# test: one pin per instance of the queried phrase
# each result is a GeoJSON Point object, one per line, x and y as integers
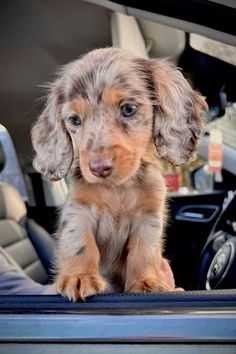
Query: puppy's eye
{"type": "Point", "coordinates": [75, 120]}
{"type": "Point", "coordinates": [128, 109]}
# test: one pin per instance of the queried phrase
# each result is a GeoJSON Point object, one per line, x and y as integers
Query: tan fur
{"type": "Point", "coordinates": [111, 229]}
{"type": "Point", "coordinates": [141, 274]}
{"type": "Point", "coordinates": [113, 96]}
{"type": "Point", "coordinates": [79, 105]}
{"type": "Point", "coordinates": [145, 197]}
{"type": "Point", "coordinates": [80, 275]}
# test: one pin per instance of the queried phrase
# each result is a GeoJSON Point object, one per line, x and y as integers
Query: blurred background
{"type": "Point", "coordinates": [38, 36]}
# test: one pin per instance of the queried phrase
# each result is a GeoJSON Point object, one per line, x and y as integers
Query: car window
{"type": "Point", "coordinates": [225, 53]}
{"type": "Point", "coordinates": [178, 178]}
{"type": "Point", "coordinates": [214, 48]}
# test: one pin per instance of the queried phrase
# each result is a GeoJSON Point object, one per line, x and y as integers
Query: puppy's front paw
{"type": "Point", "coordinates": [149, 285]}
{"type": "Point", "coordinates": [77, 286]}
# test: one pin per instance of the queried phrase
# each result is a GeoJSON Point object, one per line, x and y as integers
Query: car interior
{"type": "Point", "coordinates": [36, 38]}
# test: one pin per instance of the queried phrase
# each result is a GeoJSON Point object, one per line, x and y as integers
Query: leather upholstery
{"type": "Point", "coordinates": [43, 243]}
{"type": "Point", "coordinates": [11, 204]}
{"type": "Point", "coordinates": [16, 232]}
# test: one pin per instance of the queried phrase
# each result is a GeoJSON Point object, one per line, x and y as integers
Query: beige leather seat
{"type": "Point", "coordinates": [126, 34]}
{"type": "Point", "coordinates": [23, 239]}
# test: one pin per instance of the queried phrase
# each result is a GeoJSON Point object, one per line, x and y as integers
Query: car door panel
{"type": "Point", "coordinates": [191, 219]}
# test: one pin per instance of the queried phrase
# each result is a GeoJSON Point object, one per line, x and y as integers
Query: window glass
{"type": "Point", "coordinates": [226, 53]}
{"type": "Point", "coordinates": [214, 48]}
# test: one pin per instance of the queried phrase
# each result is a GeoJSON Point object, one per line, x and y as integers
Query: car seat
{"type": "Point", "coordinates": [22, 238]}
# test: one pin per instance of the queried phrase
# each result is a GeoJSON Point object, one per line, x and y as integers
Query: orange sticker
{"type": "Point", "coordinates": [215, 153]}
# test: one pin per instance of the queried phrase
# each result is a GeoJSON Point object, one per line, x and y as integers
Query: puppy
{"type": "Point", "coordinates": [110, 118]}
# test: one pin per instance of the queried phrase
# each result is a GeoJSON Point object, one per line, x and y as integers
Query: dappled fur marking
{"type": "Point", "coordinates": [80, 250]}
{"type": "Point", "coordinates": [90, 143]}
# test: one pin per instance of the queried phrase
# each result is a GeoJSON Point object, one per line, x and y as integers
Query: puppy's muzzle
{"type": "Point", "coordinates": [102, 167]}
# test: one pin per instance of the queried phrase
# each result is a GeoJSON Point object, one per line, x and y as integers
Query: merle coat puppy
{"type": "Point", "coordinates": [110, 118]}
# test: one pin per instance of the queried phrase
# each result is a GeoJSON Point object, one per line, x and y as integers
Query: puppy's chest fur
{"type": "Point", "coordinates": [115, 213]}
{"type": "Point", "coordinates": [114, 224]}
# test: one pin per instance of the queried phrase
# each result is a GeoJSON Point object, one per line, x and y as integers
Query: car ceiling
{"type": "Point", "coordinates": [35, 38]}
{"type": "Point", "coordinates": [215, 15]}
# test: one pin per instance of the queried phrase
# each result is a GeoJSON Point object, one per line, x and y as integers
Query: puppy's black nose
{"type": "Point", "coordinates": [101, 168]}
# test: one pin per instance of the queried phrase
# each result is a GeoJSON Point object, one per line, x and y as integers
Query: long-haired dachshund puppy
{"type": "Point", "coordinates": [110, 118]}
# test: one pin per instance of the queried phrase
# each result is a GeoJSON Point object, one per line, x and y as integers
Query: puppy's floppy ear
{"type": "Point", "coordinates": [179, 117]}
{"type": "Point", "coordinates": [51, 141]}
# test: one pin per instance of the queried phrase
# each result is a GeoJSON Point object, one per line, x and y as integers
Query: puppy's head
{"type": "Point", "coordinates": [105, 110]}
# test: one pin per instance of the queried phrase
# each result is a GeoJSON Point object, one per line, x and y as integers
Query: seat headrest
{"type": "Point", "coordinates": [11, 204]}
{"type": "Point", "coordinates": [121, 25]}
{"type": "Point", "coordinates": [2, 157]}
